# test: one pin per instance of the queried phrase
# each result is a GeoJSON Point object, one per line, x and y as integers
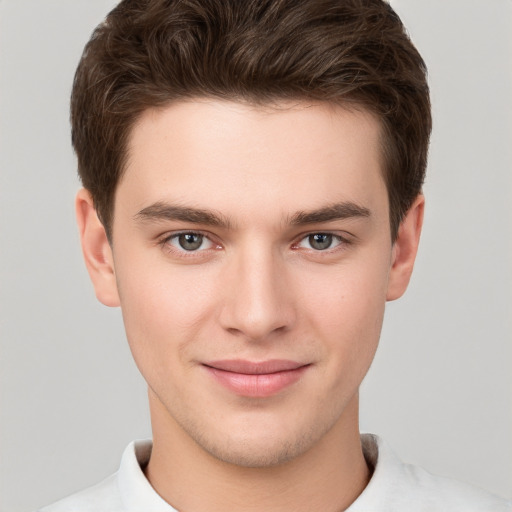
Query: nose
{"type": "Point", "coordinates": [257, 297]}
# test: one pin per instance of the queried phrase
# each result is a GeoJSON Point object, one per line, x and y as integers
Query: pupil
{"type": "Point", "coordinates": [320, 241]}
{"type": "Point", "coordinates": [190, 241]}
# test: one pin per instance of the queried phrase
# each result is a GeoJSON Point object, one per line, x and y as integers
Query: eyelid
{"type": "Point", "coordinates": [164, 241]}
{"type": "Point", "coordinates": [343, 240]}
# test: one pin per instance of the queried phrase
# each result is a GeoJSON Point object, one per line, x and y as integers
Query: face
{"type": "Point", "coordinates": [252, 260]}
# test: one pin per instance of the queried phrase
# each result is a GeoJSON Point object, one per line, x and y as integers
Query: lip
{"type": "Point", "coordinates": [256, 379]}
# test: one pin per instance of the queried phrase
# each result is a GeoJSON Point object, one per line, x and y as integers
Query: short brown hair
{"type": "Point", "coordinates": [148, 53]}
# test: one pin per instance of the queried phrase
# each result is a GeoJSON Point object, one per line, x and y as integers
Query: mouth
{"type": "Point", "coordinates": [256, 379]}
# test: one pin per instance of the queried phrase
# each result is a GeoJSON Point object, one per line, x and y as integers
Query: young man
{"type": "Point", "coordinates": [252, 178]}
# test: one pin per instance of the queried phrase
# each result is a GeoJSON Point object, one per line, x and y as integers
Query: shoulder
{"type": "Point", "coordinates": [103, 496]}
{"type": "Point", "coordinates": [128, 489]}
{"type": "Point", "coordinates": [403, 487]}
{"type": "Point", "coordinates": [447, 494]}
{"type": "Point", "coordinates": [108, 494]}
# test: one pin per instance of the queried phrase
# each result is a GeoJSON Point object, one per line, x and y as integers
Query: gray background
{"type": "Point", "coordinates": [440, 390]}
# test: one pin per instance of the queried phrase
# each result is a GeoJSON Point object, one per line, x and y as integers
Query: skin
{"type": "Point", "coordinates": [257, 289]}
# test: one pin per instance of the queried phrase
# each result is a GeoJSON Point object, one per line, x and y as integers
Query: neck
{"type": "Point", "coordinates": [328, 477]}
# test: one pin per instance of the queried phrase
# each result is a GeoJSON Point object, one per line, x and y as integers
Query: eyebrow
{"type": "Point", "coordinates": [337, 211]}
{"type": "Point", "coordinates": [164, 211]}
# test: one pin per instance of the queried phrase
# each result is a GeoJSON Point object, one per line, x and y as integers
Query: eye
{"type": "Point", "coordinates": [190, 242]}
{"type": "Point", "coordinates": [320, 241]}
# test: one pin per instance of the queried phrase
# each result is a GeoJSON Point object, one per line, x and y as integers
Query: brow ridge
{"type": "Point", "coordinates": [336, 211]}
{"type": "Point", "coordinates": [165, 211]}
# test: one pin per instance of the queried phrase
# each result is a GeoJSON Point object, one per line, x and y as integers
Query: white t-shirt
{"type": "Point", "coordinates": [394, 487]}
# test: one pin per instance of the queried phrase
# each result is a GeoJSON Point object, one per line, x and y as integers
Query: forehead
{"type": "Point", "coordinates": [230, 155]}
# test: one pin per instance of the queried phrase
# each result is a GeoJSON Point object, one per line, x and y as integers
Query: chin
{"type": "Point", "coordinates": [254, 447]}
{"type": "Point", "coordinates": [250, 453]}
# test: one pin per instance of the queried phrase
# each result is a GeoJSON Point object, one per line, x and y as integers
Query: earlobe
{"type": "Point", "coordinates": [96, 250]}
{"type": "Point", "coordinates": [405, 249]}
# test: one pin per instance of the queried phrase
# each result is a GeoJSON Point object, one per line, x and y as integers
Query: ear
{"type": "Point", "coordinates": [96, 250]}
{"type": "Point", "coordinates": [405, 249]}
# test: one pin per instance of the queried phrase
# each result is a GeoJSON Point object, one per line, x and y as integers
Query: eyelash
{"type": "Point", "coordinates": [341, 241]}
{"type": "Point", "coordinates": [164, 242]}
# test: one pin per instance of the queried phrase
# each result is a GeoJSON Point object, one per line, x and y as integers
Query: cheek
{"type": "Point", "coordinates": [351, 300]}
{"type": "Point", "coordinates": [346, 313]}
{"type": "Point", "coordinates": [163, 309]}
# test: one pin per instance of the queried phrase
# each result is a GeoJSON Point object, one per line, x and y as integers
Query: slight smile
{"type": "Point", "coordinates": [256, 379]}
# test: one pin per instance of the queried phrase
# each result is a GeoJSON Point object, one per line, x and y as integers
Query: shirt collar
{"type": "Point", "coordinates": [388, 475]}
{"type": "Point", "coordinates": [136, 492]}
